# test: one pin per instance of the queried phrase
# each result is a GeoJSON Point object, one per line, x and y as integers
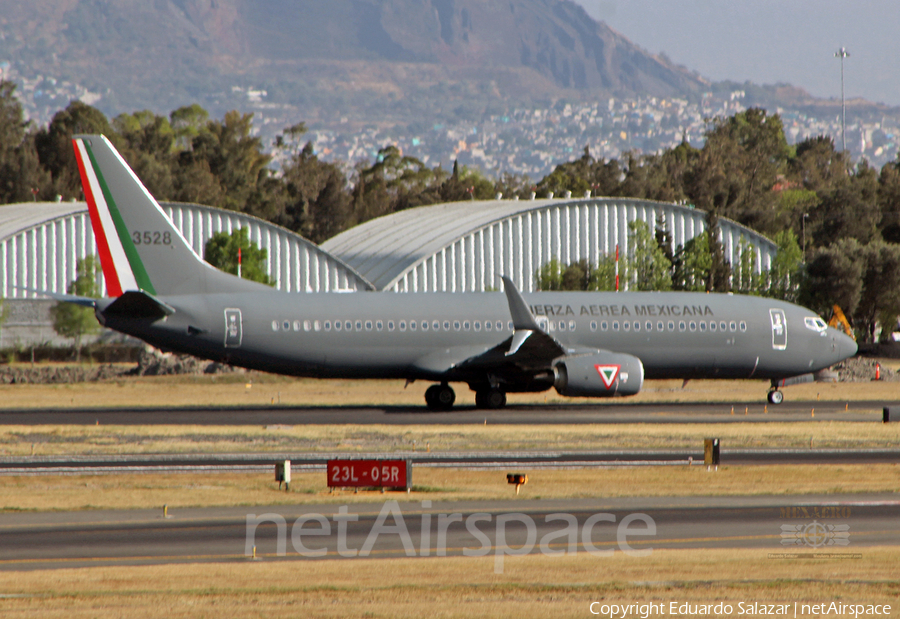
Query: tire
{"type": "Point", "coordinates": [431, 397]}
{"type": "Point", "coordinates": [495, 399]}
{"type": "Point", "coordinates": [444, 397]}
{"type": "Point", "coordinates": [775, 397]}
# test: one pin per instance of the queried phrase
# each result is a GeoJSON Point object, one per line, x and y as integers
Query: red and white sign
{"type": "Point", "coordinates": [369, 473]}
{"type": "Point", "coordinates": [608, 374]}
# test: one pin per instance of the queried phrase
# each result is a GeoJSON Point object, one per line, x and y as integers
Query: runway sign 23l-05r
{"type": "Point", "coordinates": [369, 473]}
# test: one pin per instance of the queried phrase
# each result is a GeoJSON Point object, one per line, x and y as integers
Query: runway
{"type": "Point", "coordinates": [531, 414]}
{"type": "Point", "coordinates": [797, 528]}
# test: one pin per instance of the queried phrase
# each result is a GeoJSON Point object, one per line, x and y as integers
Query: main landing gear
{"type": "Point", "coordinates": [490, 398]}
{"type": "Point", "coordinates": [440, 397]}
{"type": "Point", "coordinates": [775, 397]}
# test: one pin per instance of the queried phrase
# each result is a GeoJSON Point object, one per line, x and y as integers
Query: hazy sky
{"type": "Point", "coordinates": [769, 41]}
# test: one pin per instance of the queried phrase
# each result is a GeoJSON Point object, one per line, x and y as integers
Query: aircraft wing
{"type": "Point", "coordinates": [529, 348]}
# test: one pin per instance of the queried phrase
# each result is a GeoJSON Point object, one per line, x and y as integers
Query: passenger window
{"type": "Point", "coordinates": [296, 325]}
{"type": "Point", "coordinates": [337, 325]}
{"type": "Point", "coordinates": [649, 326]}
{"type": "Point", "coordinates": [604, 326]}
{"type": "Point", "coordinates": [379, 325]}
{"type": "Point", "coordinates": [660, 326]}
{"type": "Point", "coordinates": [593, 325]}
{"type": "Point", "coordinates": [712, 326]}
{"type": "Point", "coordinates": [390, 325]}
{"type": "Point", "coordinates": [671, 325]}
{"type": "Point", "coordinates": [693, 326]}
{"type": "Point", "coordinates": [571, 325]}
{"type": "Point", "coordinates": [307, 325]}
{"type": "Point", "coordinates": [626, 325]}
{"type": "Point", "coordinates": [368, 325]}
{"type": "Point", "coordinates": [436, 325]}
{"type": "Point", "coordinates": [466, 325]}
{"type": "Point", "coordinates": [681, 326]}
{"type": "Point", "coordinates": [403, 325]}
{"type": "Point", "coordinates": [412, 325]}
{"type": "Point", "coordinates": [359, 325]}
{"type": "Point", "coordinates": [487, 325]}
{"type": "Point", "coordinates": [286, 325]}
{"type": "Point", "coordinates": [562, 325]}
{"type": "Point", "coordinates": [328, 325]}
{"type": "Point", "coordinates": [637, 326]}
{"type": "Point", "coordinates": [274, 325]}
{"type": "Point", "coordinates": [743, 326]}
{"type": "Point", "coordinates": [511, 326]}
{"type": "Point", "coordinates": [723, 326]}
{"type": "Point", "coordinates": [456, 325]}
{"type": "Point", "coordinates": [317, 325]}
{"type": "Point", "coordinates": [702, 326]}
{"type": "Point", "coordinates": [477, 325]}
{"type": "Point", "coordinates": [616, 325]}
{"type": "Point", "coordinates": [424, 325]}
{"type": "Point", "coordinates": [733, 326]}
{"type": "Point", "coordinates": [446, 325]}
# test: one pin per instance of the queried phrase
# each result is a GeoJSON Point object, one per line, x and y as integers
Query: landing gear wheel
{"type": "Point", "coordinates": [775, 397]}
{"type": "Point", "coordinates": [490, 398]}
{"type": "Point", "coordinates": [440, 397]}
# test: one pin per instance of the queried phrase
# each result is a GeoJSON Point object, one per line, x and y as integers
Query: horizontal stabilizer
{"type": "Point", "coordinates": [63, 298]}
{"type": "Point", "coordinates": [138, 304]}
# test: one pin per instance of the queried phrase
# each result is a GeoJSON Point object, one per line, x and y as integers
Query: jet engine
{"type": "Point", "coordinates": [603, 374]}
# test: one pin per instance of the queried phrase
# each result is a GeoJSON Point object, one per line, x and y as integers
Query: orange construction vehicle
{"type": "Point", "coordinates": [839, 321]}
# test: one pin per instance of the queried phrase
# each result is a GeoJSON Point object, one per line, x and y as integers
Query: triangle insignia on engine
{"type": "Point", "coordinates": [608, 374]}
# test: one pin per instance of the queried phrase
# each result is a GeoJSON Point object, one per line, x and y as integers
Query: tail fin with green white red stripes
{"type": "Point", "coordinates": [140, 249]}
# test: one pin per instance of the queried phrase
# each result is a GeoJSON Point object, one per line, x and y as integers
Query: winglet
{"type": "Point", "coordinates": [518, 309]}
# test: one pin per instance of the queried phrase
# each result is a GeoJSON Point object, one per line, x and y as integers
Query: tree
{"type": "Point", "coordinates": [20, 172]}
{"type": "Point", "coordinates": [786, 273]}
{"type": "Point", "coordinates": [315, 201]}
{"type": "Point", "coordinates": [834, 277]}
{"type": "Point", "coordinates": [75, 321]}
{"type": "Point", "coordinates": [692, 264]}
{"type": "Point", "coordinates": [221, 251]}
{"type": "Point", "coordinates": [719, 279]}
{"type": "Point", "coordinates": [649, 269]}
{"type": "Point", "coordinates": [549, 276]}
{"type": "Point", "coordinates": [54, 146]}
{"type": "Point", "coordinates": [745, 280]}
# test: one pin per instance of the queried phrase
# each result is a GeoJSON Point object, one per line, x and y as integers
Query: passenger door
{"type": "Point", "coordinates": [233, 328]}
{"type": "Point", "coordinates": [779, 329]}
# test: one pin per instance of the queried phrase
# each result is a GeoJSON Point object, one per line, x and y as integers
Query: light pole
{"type": "Point", "coordinates": [843, 53]}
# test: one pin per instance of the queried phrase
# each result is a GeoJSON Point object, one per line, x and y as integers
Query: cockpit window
{"type": "Point", "coordinates": [814, 323]}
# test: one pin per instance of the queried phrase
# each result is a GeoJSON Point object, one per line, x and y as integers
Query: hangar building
{"type": "Point", "coordinates": [462, 246]}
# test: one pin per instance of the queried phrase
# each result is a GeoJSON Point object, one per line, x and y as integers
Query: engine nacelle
{"type": "Point", "coordinates": [601, 375]}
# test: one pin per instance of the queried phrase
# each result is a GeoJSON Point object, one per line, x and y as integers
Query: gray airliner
{"type": "Point", "coordinates": [583, 344]}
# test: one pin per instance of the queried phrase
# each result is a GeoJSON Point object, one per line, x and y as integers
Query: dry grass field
{"type": "Point", "coordinates": [149, 491]}
{"type": "Point", "coordinates": [57, 440]}
{"type": "Point", "coordinates": [533, 586]}
{"type": "Point", "coordinates": [257, 389]}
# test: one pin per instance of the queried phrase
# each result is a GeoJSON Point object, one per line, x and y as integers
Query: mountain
{"type": "Point", "coordinates": [330, 56]}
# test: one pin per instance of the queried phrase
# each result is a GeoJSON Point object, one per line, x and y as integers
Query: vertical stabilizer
{"type": "Point", "coordinates": [140, 248]}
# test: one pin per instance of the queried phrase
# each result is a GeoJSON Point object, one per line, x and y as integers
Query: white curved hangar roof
{"type": "Point", "coordinates": [41, 243]}
{"type": "Point", "coordinates": [464, 246]}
